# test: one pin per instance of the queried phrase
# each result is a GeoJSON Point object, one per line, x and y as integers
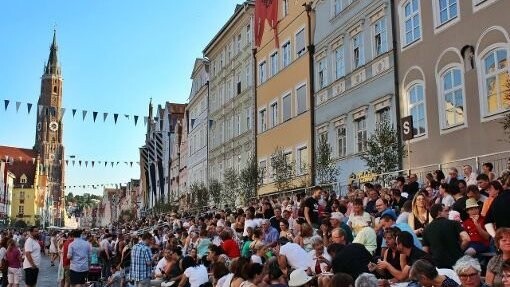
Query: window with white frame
{"type": "Point", "coordinates": [301, 99]}
{"type": "Point", "coordinates": [238, 124]}
{"type": "Point", "coordinates": [302, 160]}
{"type": "Point", "coordinates": [411, 21]}
{"type": "Point", "coordinates": [322, 73]}
{"type": "Point", "coordinates": [262, 72]}
{"type": "Point", "coordinates": [360, 129]}
{"type": "Point", "coordinates": [300, 43]}
{"type": "Point", "coordinates": [285, 8]}
{"type": "Point", "coordinates": [382, 115]}
{"type": "Point", "coordinates": [288, 157]}
{"type": "Point", "coordinates": [274, 63]}
{"type": "Point", "coordinates": [452, 97]}
{"type": "Point", "coordinates": [447, 10]}
{"type": "Point", "coordinates": [238, 43]}
{"type": "Point", "coordinates": [248, 117]}
{"type": "Point", "coordinates": [341, 141]}
{"type": "Point", "coordinates": [248, 34]}
{"type": "Point", "coordinates": [248, 69]}
{"type": "Point", "coordinates": [358, 56]}
{"type": "Point", "coordinates": [337, 7]}
{"type": "Point", "coordinates": [286, 54]}
{"type": "Point", "coordinates": [495, 76]}
{"type": "Point", "coordinates": [262, 121]}
{"type": "Point", "coordinates": [339, 62]}
{"type": "Point", "coordinates": [287, 107]}
{"type": "Point", "coordinates": [380, 37]}
{"type": "Point", "coordinates": [263, 168]}
{"type": "Point", "coordinates": [274, 114]}
{"type": "Point", "coordinates": [23, 179]}
{"type": "Point", "coordinates": [416, 108]}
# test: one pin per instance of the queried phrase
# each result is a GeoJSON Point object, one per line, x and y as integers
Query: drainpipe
{"type": "Point", "coordinates": [394, 26]}
{"type": "Point", "coordinates": [254, 125]}
{"type": "Point", "coordinates": [207, 139]}
{"type": "Point", "coordinates": [311, 53]}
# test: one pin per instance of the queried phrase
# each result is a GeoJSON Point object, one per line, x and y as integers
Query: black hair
{"type": "Point", "coordinates": [342, 280]}
{"type": "Point", "coordinates": [219, 270]}
{"type": "Point", "coordinates": [187, 262]}
{"type": "Point", "coordinates": [435, 210]}
{"type": "Point", "coordinates": [489, 166]}
{"type": "Point", "coordinates": [251, 270]}
{"type": "Point", "coordinates": [482, 176]}
{"type": "Point", "coordinates": [406, 239]}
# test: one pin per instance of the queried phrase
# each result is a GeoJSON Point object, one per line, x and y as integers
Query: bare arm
{"type": "Point", "coordinates": [183, 281]}
{"type": "Point", "coordinates": [307, 215]}
{"type": "Point", "coordinates": [464, 238]}
{"type": "Point", "coordinates": [489, 278]}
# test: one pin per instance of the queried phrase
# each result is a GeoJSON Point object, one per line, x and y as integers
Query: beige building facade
{"type": "Point", "coordinates": [453, 62]}
{"type": "Point", "coordinates": [231, 93]}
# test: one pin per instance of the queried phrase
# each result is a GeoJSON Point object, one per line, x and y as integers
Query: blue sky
{"type": "Point", "coordinates": [115, 55]}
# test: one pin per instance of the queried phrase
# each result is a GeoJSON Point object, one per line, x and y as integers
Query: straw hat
{"type": "Point", "coordinates": [471, 202]}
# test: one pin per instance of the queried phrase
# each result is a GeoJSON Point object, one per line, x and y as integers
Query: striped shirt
{"type": "Point", "coordinates": [141, 257]}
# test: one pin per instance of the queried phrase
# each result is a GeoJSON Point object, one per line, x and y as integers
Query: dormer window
{"type": "Point", "coordinates": [23, 179]}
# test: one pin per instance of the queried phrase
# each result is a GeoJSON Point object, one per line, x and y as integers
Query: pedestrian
{"type": "Point", "coordinates": [141, 262]}
{"type": "Point", "coordinates": [79, 254]}
{"type": "Point", "coordinates": [32, 257]}
{"type": "Point", "coordinates": [13, 259]}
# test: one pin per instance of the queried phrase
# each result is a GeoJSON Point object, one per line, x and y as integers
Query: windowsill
{"type": "Point", "coordinates": [451, 129]}
{"type": "Point", "coordinates": [482, 5]}
{"type": "Point", "coordinates": [282, 123]}
{"type": "Point", "coordinates": [410, 45]}
{"type": "Point", "coordinates": [494, 116]}
{"type": "Point", "coordinates": [279, 72]}
{"type": "Point", "coordinates": [418, 138]}
{"type": "Point", "coordinates": [446, 25]}
{"type": "Point", "coordinates": [343, 11]}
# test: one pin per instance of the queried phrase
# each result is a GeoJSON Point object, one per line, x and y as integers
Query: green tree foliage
{"type": "Point", "coordinates": [200, 195]}
{"type": "Point", "coordinates": [250, 178]}
{"type": "Point", "coordinates": [326, 170]}
{"type": "Point", "coordinates": [506, 120]}
{"type": "Point", "coordinates": [283, 169]}
{"type": "Point", "coordinates": [231, 187]}
{"type": "Point", "coordinates": [383, 149]}
{"type": "Point", "coordinates": [215, 191]}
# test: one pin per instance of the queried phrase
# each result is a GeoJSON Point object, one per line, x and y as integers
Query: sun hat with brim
{"type": "Point", "coordinates": [471, 202]}
{"type": "Point", "coordinates": [299, 277]}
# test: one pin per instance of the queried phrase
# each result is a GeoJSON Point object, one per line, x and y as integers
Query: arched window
{"type": "Point", "coordinates": [452, 97]}
{"type": "Point", "coordinates": [416, 108]}
{"type": "Point", "coordinates": [496, 82]}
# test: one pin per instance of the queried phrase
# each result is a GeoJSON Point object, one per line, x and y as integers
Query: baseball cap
{"type": "Point", "coordinates": [389, 213]}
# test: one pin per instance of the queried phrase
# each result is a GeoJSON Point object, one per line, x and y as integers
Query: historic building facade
{"type": "Point", "coordinates": [283, 106]}
{"type": "Point", "coordinates": [231, 93]}
{"type": "Point", "coordinates": [453, 59]}
{"type": "Point", "coordinates": [354, 77]}
{"type": "Point", "coordinates": [198, 124]}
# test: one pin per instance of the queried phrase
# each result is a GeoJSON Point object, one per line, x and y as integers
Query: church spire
{"type": "Point", "coordinates": [52, 67]}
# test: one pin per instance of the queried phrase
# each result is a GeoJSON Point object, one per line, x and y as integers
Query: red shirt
{"type": "Point", "coordinates": [13, 258]}
{"type": "Point", "coordinates": [66, 262]}
{"type": "Point", "coordinates": [471, 229]}
{"type": "Point", "coordinates": [231, 248]}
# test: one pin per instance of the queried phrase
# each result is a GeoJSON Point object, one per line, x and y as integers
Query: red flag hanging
{"type": "Point", "coordinates": [266, 10]}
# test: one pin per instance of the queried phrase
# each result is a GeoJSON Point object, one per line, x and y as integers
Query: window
{"type": "Point", "coordinates": [23, 179]}
{"type": "Point", "coordinates": [287, 107]}
{"type": "Point", "coordinates": [302, 160]}
{"type": "Point", "coordinates": [301, 99]}
{"type": "Point", "coordinates": [238, 43]}
{"type": "Point", "coordinates": [339, 62]}
{"type": "Point", "coordinates": [262, 121]}
{"type": "Point", "coordinates": [412, 21]}
{"type": "Point", "coordinates": [361, 134]}
{"type": "Point", "coordinates": [417, 108]}
{"type": "Point", "coordinates": [248, 118]}
{"type": "Point", "coordinates": [21, 195]}
{"type": "Point", "coordinates": [341, 141]}
{"type": "Point", "coordinates": [263, 168]}
{"type": "Point", "coordinates": [448, 10]}
{"type": "Point", "coordinates": [495, 69]}
{"type": "Point", "coordinates": [248, 75]}
{"type": "Point", "coordinates": [452, 97]}
{"type": "Point", "coordinates": [238, 125]}
{"type": "Point", "coordinates": [21, 209]}
{"type": "Point", "coordinates": [382, 115]}
{"type": "Point", "coordinates": [285, 8]}
{"type": "Point", "coordinates": [274, 114]}
{"type": "Point", "coordinates": [337, 7]}
{"type": "Point", "coordinates": [357, 51]}
{"type": "Point", "coordinates": [322, 73]}
{"type": "Point", "coordinates": [380, 37]}
{"type": "Point", "coordinates": [286, 54]}
{"type": "Point", "coordinates": [248, 34]}
{"type": "Point", "coordinates": [274, 63]}
{"type": "Point", "coordinates": [300, 43]}
{"type": "Point", "coordinates": [262, 72]}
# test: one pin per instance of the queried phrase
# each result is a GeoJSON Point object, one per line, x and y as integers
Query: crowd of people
{"type": "Point", "coordinates": [447, 231]}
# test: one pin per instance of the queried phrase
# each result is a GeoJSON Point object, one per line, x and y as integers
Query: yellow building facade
{"type": "Point", "coordinates": [23, 205]}
{"type": "Point", "coordinates": [283, 96]}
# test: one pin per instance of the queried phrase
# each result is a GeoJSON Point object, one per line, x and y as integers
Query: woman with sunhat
{"type": "Point", "coordinates": [474, 226]}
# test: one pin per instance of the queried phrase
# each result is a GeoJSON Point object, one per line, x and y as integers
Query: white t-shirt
{"type": "Point", "coordinates": [448, 200]}
{"type": "Point", "coordinates": [297, 257]}
{"type": "Point", "coordinates": [196, 275]}
{"type": "Point", "coordinates": [313, 260]}
{"type": "Point", "coordinates": [256, 259]}
{"type": "Point", "coordinates": [160, 266]}
{"type": "Point", "coordinates": [3, 251]}
{"type": "Point", "coordinates": [33, 247]}
{"type": "Point", "coordinates": [249, 223]}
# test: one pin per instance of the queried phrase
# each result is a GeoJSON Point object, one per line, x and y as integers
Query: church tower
{"type": "Point", "coordinates": [49, 128]}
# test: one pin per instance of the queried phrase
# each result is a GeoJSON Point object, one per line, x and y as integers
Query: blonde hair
{"type": "Point", "coordinates": [414, 206]}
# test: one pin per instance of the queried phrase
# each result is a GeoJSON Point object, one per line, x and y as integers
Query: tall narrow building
{"type": "Point", "coordinates": [49, 130]}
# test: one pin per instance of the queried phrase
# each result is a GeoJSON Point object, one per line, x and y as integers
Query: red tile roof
{"type": "Point", "coordinates": [19, 161]}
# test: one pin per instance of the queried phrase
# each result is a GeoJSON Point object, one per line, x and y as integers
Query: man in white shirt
{"type": "Point", "coordinates": [291, 254]}
{"type": "Point", "coordinates": [162, 268]}
{"type": "Point", "coordinates": [32, 259]}
{"type": "Point", "coordinates": [469, 175]}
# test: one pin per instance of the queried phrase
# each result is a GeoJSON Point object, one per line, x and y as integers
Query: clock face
{"type": "Point", "coordinates": [52, 156]}
{"type": "Point", "coordinates": [53, 126]}
{"type": "Point", "coordinates": [38, 126]}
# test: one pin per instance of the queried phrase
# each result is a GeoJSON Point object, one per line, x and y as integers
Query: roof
{"type": "Point", "coordinates": [20, 161]}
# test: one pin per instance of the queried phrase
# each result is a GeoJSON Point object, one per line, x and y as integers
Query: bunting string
{"type": "Point", "coordinates": [73, 162]}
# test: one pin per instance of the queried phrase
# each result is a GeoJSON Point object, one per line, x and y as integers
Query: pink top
{"type": "Point", "coordinates": [13, 258]}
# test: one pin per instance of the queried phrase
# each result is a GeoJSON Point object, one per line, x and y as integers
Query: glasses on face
{"type": "Point", "coordinates": [505, 276]}
{"type": "Point", "coordinates": [468, 275]}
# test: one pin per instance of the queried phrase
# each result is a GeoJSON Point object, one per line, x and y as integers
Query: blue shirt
{"type": "Point", "coordinates": [271, 235]}
{"type": "Point", "coordinates": [141, 257]}
{"type": "Point", "coordinates": [79, 252]}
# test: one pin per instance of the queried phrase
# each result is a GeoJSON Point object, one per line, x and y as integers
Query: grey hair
{"type": "Point", "coordinates": [366, 280]}
{"type": "Point", "coordinates": [466, 262]}
{"type": "Point", "coordinates": [316, 240]}
{"type": "Point", "coordinates": [265, 221]}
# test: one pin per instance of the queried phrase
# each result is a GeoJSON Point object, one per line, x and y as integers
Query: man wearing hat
{"type": "Point", "coordinates": [474, 226]}
{"type": "Point", "coordinates": [388, 219]}
{"type": "Point", "coordinates": [299, 278]}
{"type": "Point", "coordinates": [337, 221]}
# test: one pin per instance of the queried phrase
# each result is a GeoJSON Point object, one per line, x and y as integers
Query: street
{"type": "Point", "coordinates": [47, 273]}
